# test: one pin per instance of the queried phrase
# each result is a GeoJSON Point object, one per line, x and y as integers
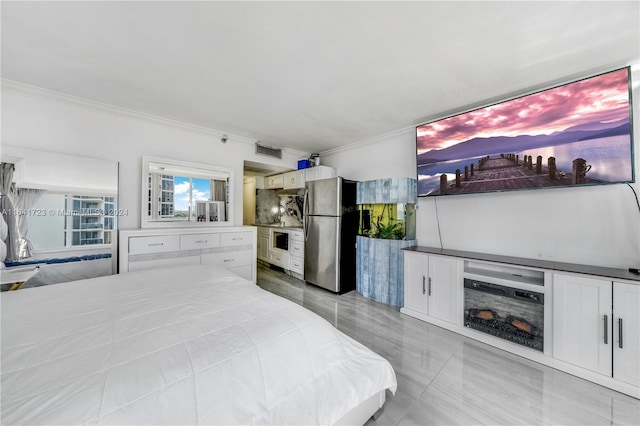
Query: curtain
{"type": "Point", "coordinates": [218, 190]}
{"type": "Point", "coordinates": [24, 200]}
{"type": "Point", "coordinates": [7, 192]}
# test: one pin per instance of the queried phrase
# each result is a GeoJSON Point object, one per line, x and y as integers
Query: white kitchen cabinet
{"type": "Point", "coordinates": [294, 180]}
{"type": "Point", "coordinates": [296, 252]}
{"type": "Point", "coordinates": [319, 172]}
{"type": "Point", "coordinates": [626, 333]}
{"type": "Point", "coordinates": [263, 243]}
{"type": "Point", "coordinates": [582, 321]}
{"type": "Point", "coordinates": [432, 286]}
{"type": "Point", "coordinates": [279, 258]}
{"type": "Point", "coordinates": [274, 182]}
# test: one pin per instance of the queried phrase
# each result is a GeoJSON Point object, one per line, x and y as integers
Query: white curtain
{"type": "Point", "coordinates": [25, 200]}
{"type": "Point", "coordinates": [7, 193]}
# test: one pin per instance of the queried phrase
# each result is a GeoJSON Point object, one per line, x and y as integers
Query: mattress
{"type": "Point", "coordinates": [186, 345]}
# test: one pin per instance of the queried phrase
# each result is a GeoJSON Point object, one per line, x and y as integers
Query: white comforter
{"type": "Point", "coordinates": [196, 345]}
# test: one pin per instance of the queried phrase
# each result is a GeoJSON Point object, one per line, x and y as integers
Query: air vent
{"type": "Point", "coordinates": [271, 152]}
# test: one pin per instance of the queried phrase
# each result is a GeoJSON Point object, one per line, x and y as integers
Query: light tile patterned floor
{"type": "Point", "coordinates": [448, 379]}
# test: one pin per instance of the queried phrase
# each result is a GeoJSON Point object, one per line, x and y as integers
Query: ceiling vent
{"type": "Point", "coordinates": [271, 152]}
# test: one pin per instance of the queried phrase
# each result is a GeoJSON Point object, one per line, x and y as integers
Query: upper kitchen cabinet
{"type": "Point", "coordinates": [274, 181]}
{"type": "Point", "coordinates": [297, 178]}
{"type": "Point", "coordinates": [319, 172]}
{"type": "Point", "coordinates": [294, 180]}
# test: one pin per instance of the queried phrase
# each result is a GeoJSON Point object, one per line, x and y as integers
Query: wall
{"type": "Point", "coordinates": [38, 119]}
{"type": "Point", "coordinates": [588, 225]}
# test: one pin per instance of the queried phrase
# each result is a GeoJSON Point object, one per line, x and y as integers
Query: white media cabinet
{"type": "Point", "coordinates": [591, 314]}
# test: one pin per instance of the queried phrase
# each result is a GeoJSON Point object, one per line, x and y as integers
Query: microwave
{"type": "Point", "coordinates": [280, 240]}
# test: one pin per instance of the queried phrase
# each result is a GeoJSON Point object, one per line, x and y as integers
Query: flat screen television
{"type": "Point", "coordinates": [575, 134]}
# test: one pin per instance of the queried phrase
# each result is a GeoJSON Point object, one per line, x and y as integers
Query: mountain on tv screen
{"type": "Point", "coordinates": [572, 135]}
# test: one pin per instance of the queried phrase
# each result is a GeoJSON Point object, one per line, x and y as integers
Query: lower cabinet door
{"type": "Point", "coordinates": [626, 333]}
{"type": "Point", "coordinates": [415, 281]}
{"type": "Point", "coordinates": [582, 322]}
{"type": "Point", "coordinates": [444, 288]}
{"type": "Point", "coordinates": [263, 247]}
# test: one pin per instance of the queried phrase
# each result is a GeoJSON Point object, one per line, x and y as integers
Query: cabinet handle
{"type": "Point", "coordinates": [201, 242]}
{"type": "Point", "coordinates": [227, 260]}
{"type": "Point", "coordinates": [155, 244]}
{"type": "Point", "coordinates": [620, 333]}
{"type": "Point", "coordinates": [429, 286]}
{"type": "Point", "coordinates": [606, 329]}
{"type": "Point", "coordinates": [424, 290]}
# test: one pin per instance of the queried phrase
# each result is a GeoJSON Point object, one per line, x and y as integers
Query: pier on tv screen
{"type": "Point", "coordinates": [576, 134]}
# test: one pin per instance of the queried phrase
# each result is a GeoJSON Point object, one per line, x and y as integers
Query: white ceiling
{"type": "Point", "coordinates": [311, 75]}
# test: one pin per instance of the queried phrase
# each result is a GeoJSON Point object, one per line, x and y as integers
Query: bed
{"type": "Point", "coordinates": [184, 345]}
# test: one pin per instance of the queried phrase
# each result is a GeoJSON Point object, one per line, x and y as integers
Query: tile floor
{"type": "Point", "coordinates": [448, 379]}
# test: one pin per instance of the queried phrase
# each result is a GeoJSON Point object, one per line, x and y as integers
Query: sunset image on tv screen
{"type": "Point", "coordinates": [575, 134]}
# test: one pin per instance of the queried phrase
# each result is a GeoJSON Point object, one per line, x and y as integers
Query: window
{"type": "Point", "coordinates": [178, 197]}
{"type": "Point", "coordinates": [63, 220]}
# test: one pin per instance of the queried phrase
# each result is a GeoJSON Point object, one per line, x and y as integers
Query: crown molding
{"type": "Point", "coordinates": [11, 86]}
{"type": "Point", "coordinates": [368, 141]}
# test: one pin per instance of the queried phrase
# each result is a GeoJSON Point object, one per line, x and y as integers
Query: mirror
{"type": "Point", "coordinates": [65, 215]}
{"type": "Point", "coordinates": [178, 193]}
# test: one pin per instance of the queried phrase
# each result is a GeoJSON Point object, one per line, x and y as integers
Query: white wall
{"type": "Point", "coordinates": [50, 122]}
{"type": "Point", "coordinates": [586, 225]}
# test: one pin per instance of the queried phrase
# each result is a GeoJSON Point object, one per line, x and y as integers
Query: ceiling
{"type": "Point", "coordinates": [312, 76]}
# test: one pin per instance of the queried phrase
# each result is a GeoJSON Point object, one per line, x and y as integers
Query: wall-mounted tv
{"type": "Point", "coordinates": [576, 134]}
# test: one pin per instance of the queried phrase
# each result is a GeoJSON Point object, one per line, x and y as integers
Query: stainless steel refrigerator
{"type": "Point", "coordinates": [330, 228]}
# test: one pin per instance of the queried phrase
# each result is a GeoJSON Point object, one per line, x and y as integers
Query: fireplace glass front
{"type": "Point", "coordinates": [509, 313]}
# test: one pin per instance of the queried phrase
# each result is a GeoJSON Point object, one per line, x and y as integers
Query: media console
{"type": "Point", "coordinates": [584, 320]}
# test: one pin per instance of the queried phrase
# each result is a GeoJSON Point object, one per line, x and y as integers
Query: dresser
{"type": "Point", "coordinates": [231, 247]}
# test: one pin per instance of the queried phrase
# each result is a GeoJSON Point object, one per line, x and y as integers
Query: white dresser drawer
{"type": "Point", "coordinates": [145, 265]}
{"type": "Point", "coordinates": [230, 259]}
{"type": "Point", "coordinates": [154, 244]}
{"type": "Point", "coordinates": [199, 241]}
{"type": "Point", "coordinates": [296, 249]}
{"type": "Point", "coordinates": [297, 265]}
{"type": "Point", "coordinates": [228, 239]}
{"type": "Point", "coordinates": [296, 235]}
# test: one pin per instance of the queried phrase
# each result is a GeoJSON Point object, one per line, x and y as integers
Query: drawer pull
{"type": "Point", "coordinates": [201, 242]}
{"type": "Point", "coordinates": [237, 239]}
{"type": "Point", "coordinates": [228, 260]}
{"type": "Point", "coordinates": [155, 244]}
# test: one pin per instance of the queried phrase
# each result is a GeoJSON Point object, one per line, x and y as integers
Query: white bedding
{"type": "Point", "coordinates": [187, 345]}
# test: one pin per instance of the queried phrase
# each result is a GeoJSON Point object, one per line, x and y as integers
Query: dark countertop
{"type": "Point", "coordinates": [600, 271]}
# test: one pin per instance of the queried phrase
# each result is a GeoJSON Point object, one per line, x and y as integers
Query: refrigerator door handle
{"type": "Point", "coordinates": [305, 215]}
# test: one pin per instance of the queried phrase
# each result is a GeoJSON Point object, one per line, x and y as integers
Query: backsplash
{"type": "Point", "coordinates": [272, 208]}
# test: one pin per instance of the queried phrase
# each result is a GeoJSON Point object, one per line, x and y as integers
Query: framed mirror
{"type": "Point", "coordinates": [62, 217]}
{"type": "Point", "coordinates": [179, 193]}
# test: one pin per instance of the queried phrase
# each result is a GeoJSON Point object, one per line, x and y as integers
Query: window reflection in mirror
{"type": "Point", "coordinates": [180, 192]}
